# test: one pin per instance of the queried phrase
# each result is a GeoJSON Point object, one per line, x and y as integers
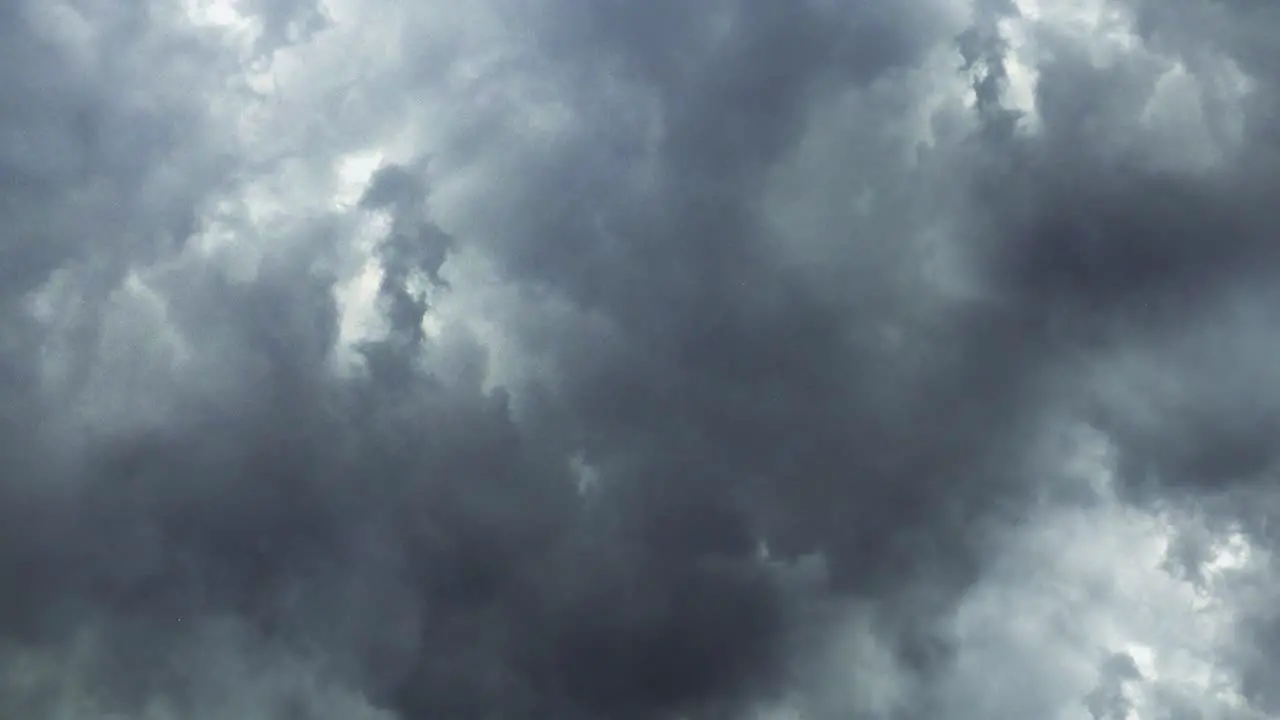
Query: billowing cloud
{"type": "Point", "coordinates": [575, 359]}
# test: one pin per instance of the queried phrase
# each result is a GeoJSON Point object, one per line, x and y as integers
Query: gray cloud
{"type": "Point", "coordinates": [636, 360]}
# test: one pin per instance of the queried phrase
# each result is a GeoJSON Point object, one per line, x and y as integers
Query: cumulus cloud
{"type": "Point", "coordinates": [739, 359]}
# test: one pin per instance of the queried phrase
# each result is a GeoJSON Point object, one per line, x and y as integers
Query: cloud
{"type": "Point", "coordinates": [636, 360]}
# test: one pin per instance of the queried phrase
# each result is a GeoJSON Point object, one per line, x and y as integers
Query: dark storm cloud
{"type": "Point", "coordinates": [807, 355]}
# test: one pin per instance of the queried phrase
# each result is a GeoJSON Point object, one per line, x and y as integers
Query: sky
{"type": "Point", "coordinates": [578, 359]}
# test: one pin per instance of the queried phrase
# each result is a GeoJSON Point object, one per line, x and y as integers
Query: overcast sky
{"type": "Point", "coordinates": [639, 359]}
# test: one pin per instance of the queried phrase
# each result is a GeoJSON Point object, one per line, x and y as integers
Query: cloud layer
{"type": "Point", "coordinates": [572, 359]}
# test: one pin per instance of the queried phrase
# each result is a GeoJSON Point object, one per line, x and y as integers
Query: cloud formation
{"type": "Point", "coordinates": [638, 360]}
